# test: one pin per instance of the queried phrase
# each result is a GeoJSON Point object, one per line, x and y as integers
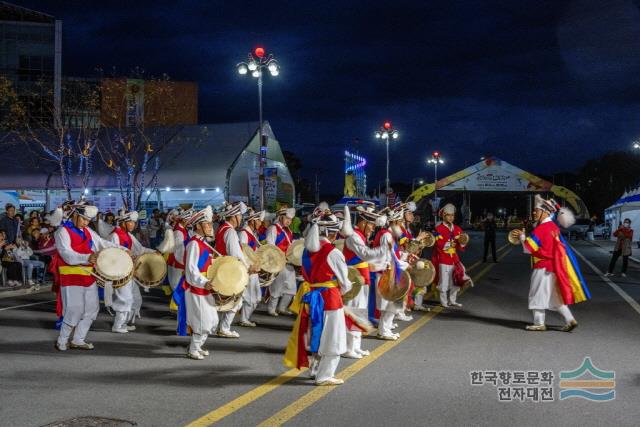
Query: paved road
{"type": "Point", "coordinates": [424, 379]}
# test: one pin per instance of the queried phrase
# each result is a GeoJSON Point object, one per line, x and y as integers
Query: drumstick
{"type": "Point", "coordinates": [212, 248]}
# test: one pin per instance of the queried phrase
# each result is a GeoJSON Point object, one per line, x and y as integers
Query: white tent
{"type": "Point", "coordinates": [627, 206]}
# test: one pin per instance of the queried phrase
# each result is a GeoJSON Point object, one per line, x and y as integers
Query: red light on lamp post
{"type": "Point", "coordinates": [259, 52]}
{"type": "Point", "coordinates": [387, 125]}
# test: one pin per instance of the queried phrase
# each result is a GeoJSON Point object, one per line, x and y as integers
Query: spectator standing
{"type": "Point", "coordinates": [489, 227]}
{"type": "Point", "coordinates": [10, 223]}
{"type": "Point", "coordinates": [624, 236]}
{"type": "Point", "coordinates": [155, 227]}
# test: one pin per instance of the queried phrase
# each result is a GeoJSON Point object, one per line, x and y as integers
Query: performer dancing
{"type": "Point", "coordinates": [389, 259]}
{"type": "Point", "coordinates": [202, 316]}
{"type": "Point", "coordinates": [126, 300]}
{"type": "Point", "coordinates": [318, 304]}
{"type": "Point", "coordinates": [556, 280]}
{"type": "Point", "coordinates": [445, 256]}
{"type": "Point", "coordinates": [357, 253]}
{"type": "Point", "coordinates": [252, 295]}
{"type": "Point", "coordinates": [228, 244]}
{"type": "Point", "coordinates": [77, 247]}
{"type": "Point", "coordinates": [283, 287]}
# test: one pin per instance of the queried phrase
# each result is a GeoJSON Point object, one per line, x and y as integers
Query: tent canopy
{"type": "Point", "coordinates": [494, 174]}
{"type": "Point", "coordinates": [199, 155]}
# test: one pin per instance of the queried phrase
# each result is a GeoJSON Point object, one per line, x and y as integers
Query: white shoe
{"type": "Point", "coordinates": [455, 304]}
{"type": "Point", "coordinates": [313, 369]}
{"type": "Point", "coordinates": [120, 330]}
{"type": "Point", "coordinates": [608, 274]}
{"type": "Point", "coordinates": [623, 275]}
{"type": "Point", "coordinates": [204, 352]}
{"type": "Point", "coordinates": [285, 312]}
{"type": "Point", "coordinates": [330, 381]}
{"type": "Point", "coordinates": [228, 334]}
{"type": "Point", "coordinates": [391, 337]}
{"type": "Point", "coordinates": [247, 324]}
{"type": "Point", "coordinates": [60, 347]}
{"type": "Point", "coordinates": [393, 326]}
{"type": "Point", "coordinates": [421, 308]}
{"type": "Point", "coordinates": [352, 355]}
{"type": "Point", "coordinates": [131, 328]}
{"type": "Point", "coordinates": [397, 335]}
{"type": "Point", "coordinates": [272, 313]}
{"type": "Point", "coordinates": [363, 352]}
{"type": "Point", "coordinates": [403, 317]}
{"type": "Point", "coordinates": [195, 356]}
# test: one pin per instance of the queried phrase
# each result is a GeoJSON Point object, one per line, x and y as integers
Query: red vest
{"type": "Point", "coordinates": [444, 235]}
{"type": "Point", "coordinates": [77, 275]}
{"type": "Point", "coordinates": [221, 245]}
{"type": "Point", "coordinates": [541, 244]}
{"type": "Point", "coordinates": [204, 261]}
{"type": "Point", "coordinates": [378, 239]}
{"type": "Point", "coordinates": [124, 237]}
{"type": "Point", "coordinates": [251, 239]}
{"type": "Point", "coordinates": [315, 269]}
{"type": "Point", "coordinates": [284, 237]}
{"type": "Point", "coordinates": [353, 259]}
{"type": "Point", "coordinates": [171, 260]}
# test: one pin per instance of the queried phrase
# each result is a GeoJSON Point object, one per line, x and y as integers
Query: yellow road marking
{"type": "Point", "coordinates": [258, 392]}
{"type": "Point", "coordinates": [317, 393]}
{"type": "Point", "coordinates": [245, 399]}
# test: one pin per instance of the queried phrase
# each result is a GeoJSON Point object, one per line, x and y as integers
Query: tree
{"type": "Point", "coordinates": [294, 164]}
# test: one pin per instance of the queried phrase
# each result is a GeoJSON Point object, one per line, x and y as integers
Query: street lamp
{"type": "Point", "coordinates": [387, 132]}
{"type": "Point", "coordinates": [413, 181]}
{"type": "Point", "coordinates": [636, 145]}
{"type": "Point", "coordinates": [435, 159]}
{"type": "Point", "coordinates": [257, 62]}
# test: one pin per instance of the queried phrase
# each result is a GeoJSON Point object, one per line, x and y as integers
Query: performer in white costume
{"type": "Point", "coordinates": [77, 247]}
{"type": "Point", "coordinates": [126, 300]}
{"type": "Point", "coordinates": [357, 254]}
{"type": "Point", "coordinates": [252, 295]}
{"type": "Point", "coordinates": [283, 287]}
{"type": "Point", "coordinates": [202, 316]}
{"type": "Point", "coordinates": [175, 262]}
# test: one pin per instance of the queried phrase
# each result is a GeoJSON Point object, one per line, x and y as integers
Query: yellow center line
{"type": "Point", "coordinates": [258, 392]}
{"type": "Point", "coordinates": [317, 393]}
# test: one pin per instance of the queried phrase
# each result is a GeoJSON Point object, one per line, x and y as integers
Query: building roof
{"type": "Point", "coordinates": [15, 13]}
{"type": "Point", "coordinates": [199, 155]}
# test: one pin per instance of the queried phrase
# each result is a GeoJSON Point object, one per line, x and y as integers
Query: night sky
{"type": "Point", "coordinates": [542, 84]}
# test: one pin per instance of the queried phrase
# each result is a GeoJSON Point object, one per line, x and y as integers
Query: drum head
{"type": "Point", "coordinates": [422, 273]}
{"type": "Point", "coordinates": [394, 290]}
{"type": "Point", "coordinates": [357, 282]}
{"type": "Point", "coordinates": [150, 269]}
{"type": "Point", "coordinates": [294, 253]}
{"type": "Point", "coordinates": [114, 263]}
{"type": "Point", "coordinates": [228, 276]}
{"type": "Point", "coordinates": [249, 254]}
{"type": "Point", "coordinates": [272, 259]}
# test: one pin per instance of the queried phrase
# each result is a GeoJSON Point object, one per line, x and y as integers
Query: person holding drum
{"type": "Point", "coordinates": [175, 262]}
{"type": "Point", "coordinates": [252, 294]}
{"type": "Point", "coordinates": [390, 259]}
{"type": "Point", "coordinates": [201, 313]}
{"type": "Point", "coordinates": [283, 287]}
{"type": "Point", "coordinates": [318, 304]}
{"type": "Point", "coordinates": [357, 253]}
{"type": "Point", "coordinates": [445, 255]}
{"type": "Point", "coordinates": [126, 300]}
{"type": "Point", "coordinates": [78, 248]}
{"type": "Point", "coordinates": [228, 244]}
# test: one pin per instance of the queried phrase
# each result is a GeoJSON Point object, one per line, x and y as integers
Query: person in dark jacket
{"type": "Point", "coordinates": [10, 223]}
{"type": "Point", "coordinates": [489, 227]}
{"type": "Point", "coordinates": [624, 236]}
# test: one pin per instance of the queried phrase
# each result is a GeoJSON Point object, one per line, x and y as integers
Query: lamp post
{"type": "Point", "coordinates": [387, 132]}
{"type": "Point", "coordinates": [636, 145]}
{"type": "Point", "coordinates": [435, 159]}
{"type": "Point", "coordinates": [413, 181]}
{"type": "Point", "coordinates": [256, 62]}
